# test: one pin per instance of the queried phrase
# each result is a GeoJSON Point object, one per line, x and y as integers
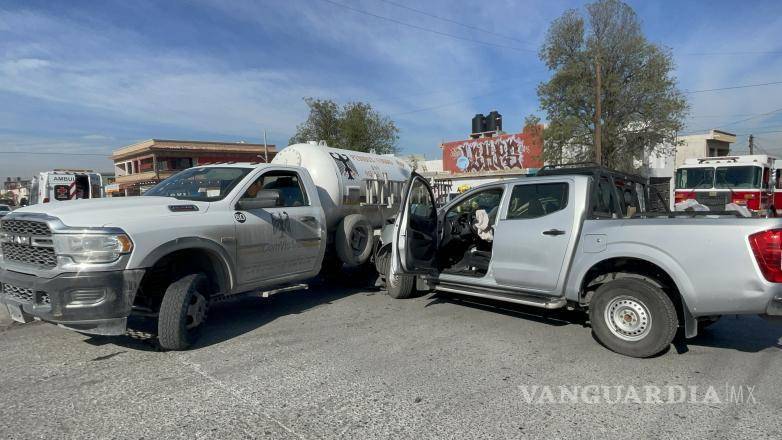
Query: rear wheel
{"type": "Point", "coordinates": [354, 240]}
{"type": "Point", "coordinates": [183, 312]}
{"type": "Point", "coordinates": [633, 317]}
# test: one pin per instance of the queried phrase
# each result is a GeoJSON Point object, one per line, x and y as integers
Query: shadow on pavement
{"type": "Point", "coordinates": [747, 333]}
{"type": "Point", "coordinates": [233, 317]}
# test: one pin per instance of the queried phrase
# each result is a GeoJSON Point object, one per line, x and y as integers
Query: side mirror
{"type": "Point", "coordinates": [266, 198]}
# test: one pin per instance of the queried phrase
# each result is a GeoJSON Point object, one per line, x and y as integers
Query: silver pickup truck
{"type": "Point", "coordinates": [583, 242]}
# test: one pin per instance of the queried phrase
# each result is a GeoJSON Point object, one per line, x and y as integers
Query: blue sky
{"type": "Point", "coordinates": [88, 77]}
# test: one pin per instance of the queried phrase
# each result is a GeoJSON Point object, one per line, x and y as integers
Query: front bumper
{"type": "Point", "coordinates": [88, 302]}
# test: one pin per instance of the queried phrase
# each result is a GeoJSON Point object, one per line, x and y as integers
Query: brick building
{"type": "Point", "coordinates": [140, 166]}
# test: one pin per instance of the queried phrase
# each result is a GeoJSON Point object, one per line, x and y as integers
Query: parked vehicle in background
{"type": "Point", "coordinates": [575, 241]}
{"type": "Point", "coordinates": [63, 185]}
{"type": "Point", "coordinates": [4, 210]}
{"type": "Point", "coordinates": [199, 236]}
{"type": "Point", "coordinates": [718, 181]}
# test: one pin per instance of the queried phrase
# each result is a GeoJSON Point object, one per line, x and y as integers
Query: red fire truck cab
{"type": "Point", "coordinates": [718, 181]}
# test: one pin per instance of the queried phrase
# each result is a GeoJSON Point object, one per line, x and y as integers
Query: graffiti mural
{"type": "Point", "coordinates": [499, 153]}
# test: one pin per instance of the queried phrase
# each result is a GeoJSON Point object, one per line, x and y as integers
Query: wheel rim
{"type": "Point", "coordinates": [628, 318]}
{"type": "Point", "coordinates": [358, 240]}
{"type": "Point", "coordinates": [196, 311]}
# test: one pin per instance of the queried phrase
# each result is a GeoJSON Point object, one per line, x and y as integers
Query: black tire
{"type": "Point", "coordinates": [383, 261]}
{"type": "Point", "coordinates": [647, 312]}
{"type": "Point", "coordinates": [354, 240]}
{"type": "Point", "coordinates": [176, 327]}
{"type": "Point", "coordinates": [400, 286]}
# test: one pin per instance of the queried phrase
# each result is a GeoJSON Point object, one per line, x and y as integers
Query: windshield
{"type": "Point", "coordinates": [200, 184]}
{"type": "Point", "coordinates": [737, 177]}
{"type": "Point", "coordinates": [4, 208]}
{"type": "Point", "coordinates": [692, 178]}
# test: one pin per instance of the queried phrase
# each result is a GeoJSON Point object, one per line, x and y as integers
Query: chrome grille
{"type": "Point", "coordinates": [26, 227]}
{"type": "Point", "coordinates": [19, 293]}
{"type": "Point", "coordinates": [37, 256]}
{"type": "Point", "coordinates": [40, 256]}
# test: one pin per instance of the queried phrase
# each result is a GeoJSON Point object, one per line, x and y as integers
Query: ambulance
{"type": "Point", "coordinates": [63, 185]}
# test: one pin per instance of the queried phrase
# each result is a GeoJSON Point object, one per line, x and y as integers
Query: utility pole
{"type": "Point", "coordinates": [751, 144]}
{"type": "Point", "coordinates": [265, 148]}
{"type": "Point", "coordinates": [598, 113]}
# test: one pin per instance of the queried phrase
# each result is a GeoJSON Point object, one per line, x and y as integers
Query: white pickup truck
{"type": "Point", "coordinates": [586, 239]}
{"type": "Point", "coordinates": [202, 234]}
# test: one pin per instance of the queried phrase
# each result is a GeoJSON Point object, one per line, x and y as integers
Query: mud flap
{"type": "Point", "coordinates": [690, 324]}
{"type": "Point", "coordinates": [19, 315]}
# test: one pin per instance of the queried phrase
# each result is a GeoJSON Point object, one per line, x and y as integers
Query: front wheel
{"type": "Point", "coordinates": [183, 312]}
{"type": "Point", "coordinates": [633, 317]}
{"type": "Point", "coordinates": [400, 286]}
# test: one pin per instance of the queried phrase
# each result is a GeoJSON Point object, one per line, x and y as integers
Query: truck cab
{"type": "Point", "coordinates": [589, 242]}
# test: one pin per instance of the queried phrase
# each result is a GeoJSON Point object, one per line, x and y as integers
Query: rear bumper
{"type": "Point", "coordinates": [88, 302]}
{"type": "Point", "coordinates": [775, 306]}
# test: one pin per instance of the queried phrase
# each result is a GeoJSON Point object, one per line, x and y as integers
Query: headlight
{"type": "Point", "coordinates": [92, 248]}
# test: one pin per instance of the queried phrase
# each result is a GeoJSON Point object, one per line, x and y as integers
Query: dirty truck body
{"type": "Point", "coordinates": [204, 234]}
{"type": "Point", "coordinates": [558, 241]}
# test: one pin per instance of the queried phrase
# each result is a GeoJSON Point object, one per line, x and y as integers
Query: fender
{"type": "Point", "coordinates": [639, 251]}
{"type": "Point", "coordinates": [200, 243]}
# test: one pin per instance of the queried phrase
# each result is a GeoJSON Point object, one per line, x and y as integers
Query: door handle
{"type": "Point", "coordinates": [554, 232]}
{"type": "Point", "coordinates": [308, 219]}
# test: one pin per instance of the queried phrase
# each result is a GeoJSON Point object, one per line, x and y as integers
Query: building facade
{"type": "Point", "coordinates": [140, 166]}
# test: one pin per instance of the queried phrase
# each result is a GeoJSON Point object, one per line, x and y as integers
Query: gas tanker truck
{"type": "Point", "coordinates": [200, 236]}
{"type": "Point", "coordinates": [359, 193]}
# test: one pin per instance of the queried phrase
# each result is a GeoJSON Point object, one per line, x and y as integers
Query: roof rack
{"type": "Point", "coordinates": [587, 168]}
{"type": "Point", "coordinates": [556, 166]}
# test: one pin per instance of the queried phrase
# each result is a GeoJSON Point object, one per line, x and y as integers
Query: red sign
{"type": "Point", "coordinates": [499, 153]}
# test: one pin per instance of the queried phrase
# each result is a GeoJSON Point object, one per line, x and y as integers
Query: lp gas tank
{"type": "Point", "coordinates": [350, 182]}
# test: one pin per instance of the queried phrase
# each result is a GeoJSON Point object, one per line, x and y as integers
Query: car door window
{"type": "Point", "coordinates": [537, 200]}
{"type": "Point", "coordinates": [286, 183]}
{"type": "Point", "coordinates": [488, 200]}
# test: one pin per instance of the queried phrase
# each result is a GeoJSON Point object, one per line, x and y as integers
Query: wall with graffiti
{"type": "Point", "coordinates": [505, 152]}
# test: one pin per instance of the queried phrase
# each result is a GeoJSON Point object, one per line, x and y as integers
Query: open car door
{"type": "Point", "coordinates": [414, 248]}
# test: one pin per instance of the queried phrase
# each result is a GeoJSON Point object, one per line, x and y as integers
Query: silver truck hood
{"type": "Point", "coordinates": [112, 211]}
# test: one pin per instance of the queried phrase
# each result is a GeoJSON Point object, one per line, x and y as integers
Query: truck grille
{"type": "Point", "coordinates": [26, 227]}
{"type": "Point", "coordinates": [19, 293]}
{"type": "Point", "coordinates": [25, 253]}
{"type": "Point", "coordinates": [36, 256]}
{"type": "Point", "coordinates": [24, 295]}
{"type": "Point", "coordinates": [716, 202]}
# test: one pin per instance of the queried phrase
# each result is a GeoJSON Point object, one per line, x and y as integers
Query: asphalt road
{"type": "Point", "coordinates": [342, 363]}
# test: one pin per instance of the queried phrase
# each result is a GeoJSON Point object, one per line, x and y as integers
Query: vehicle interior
{"type": "Point", "coordinates": [468, 233]}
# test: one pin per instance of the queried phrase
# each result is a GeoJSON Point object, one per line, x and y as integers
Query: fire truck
{"type": "Point", "coordinates": [718, 181]}
{"type": "Point", "coordinates": [62, 185]}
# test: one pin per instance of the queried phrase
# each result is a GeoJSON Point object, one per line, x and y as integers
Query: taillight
{"type": "Point", "coordinates": [46, 200]}
{"type": "Point", "coordinates": [767, 247]}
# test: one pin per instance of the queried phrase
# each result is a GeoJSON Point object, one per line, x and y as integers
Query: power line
{"type": "Point", "coordinates": [58, 153]}
{"type": "Point", "coordinates": [739, 121]}
{"type": "Point", "coordinates": [434, 107]}
{"type": "Point", "coordinates": [747, 52]}
{"type": "Point", "coordinates": [448, 20]}
{"type": "Point", "coordinates": [425, 29]}
{"type": "Point", "coordinates": [734, 87]}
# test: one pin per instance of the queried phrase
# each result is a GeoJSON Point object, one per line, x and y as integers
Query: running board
{"type": "Point", "coordinates": [525, 299]}
{"type": "Point", "coordinates": [268, 293]}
